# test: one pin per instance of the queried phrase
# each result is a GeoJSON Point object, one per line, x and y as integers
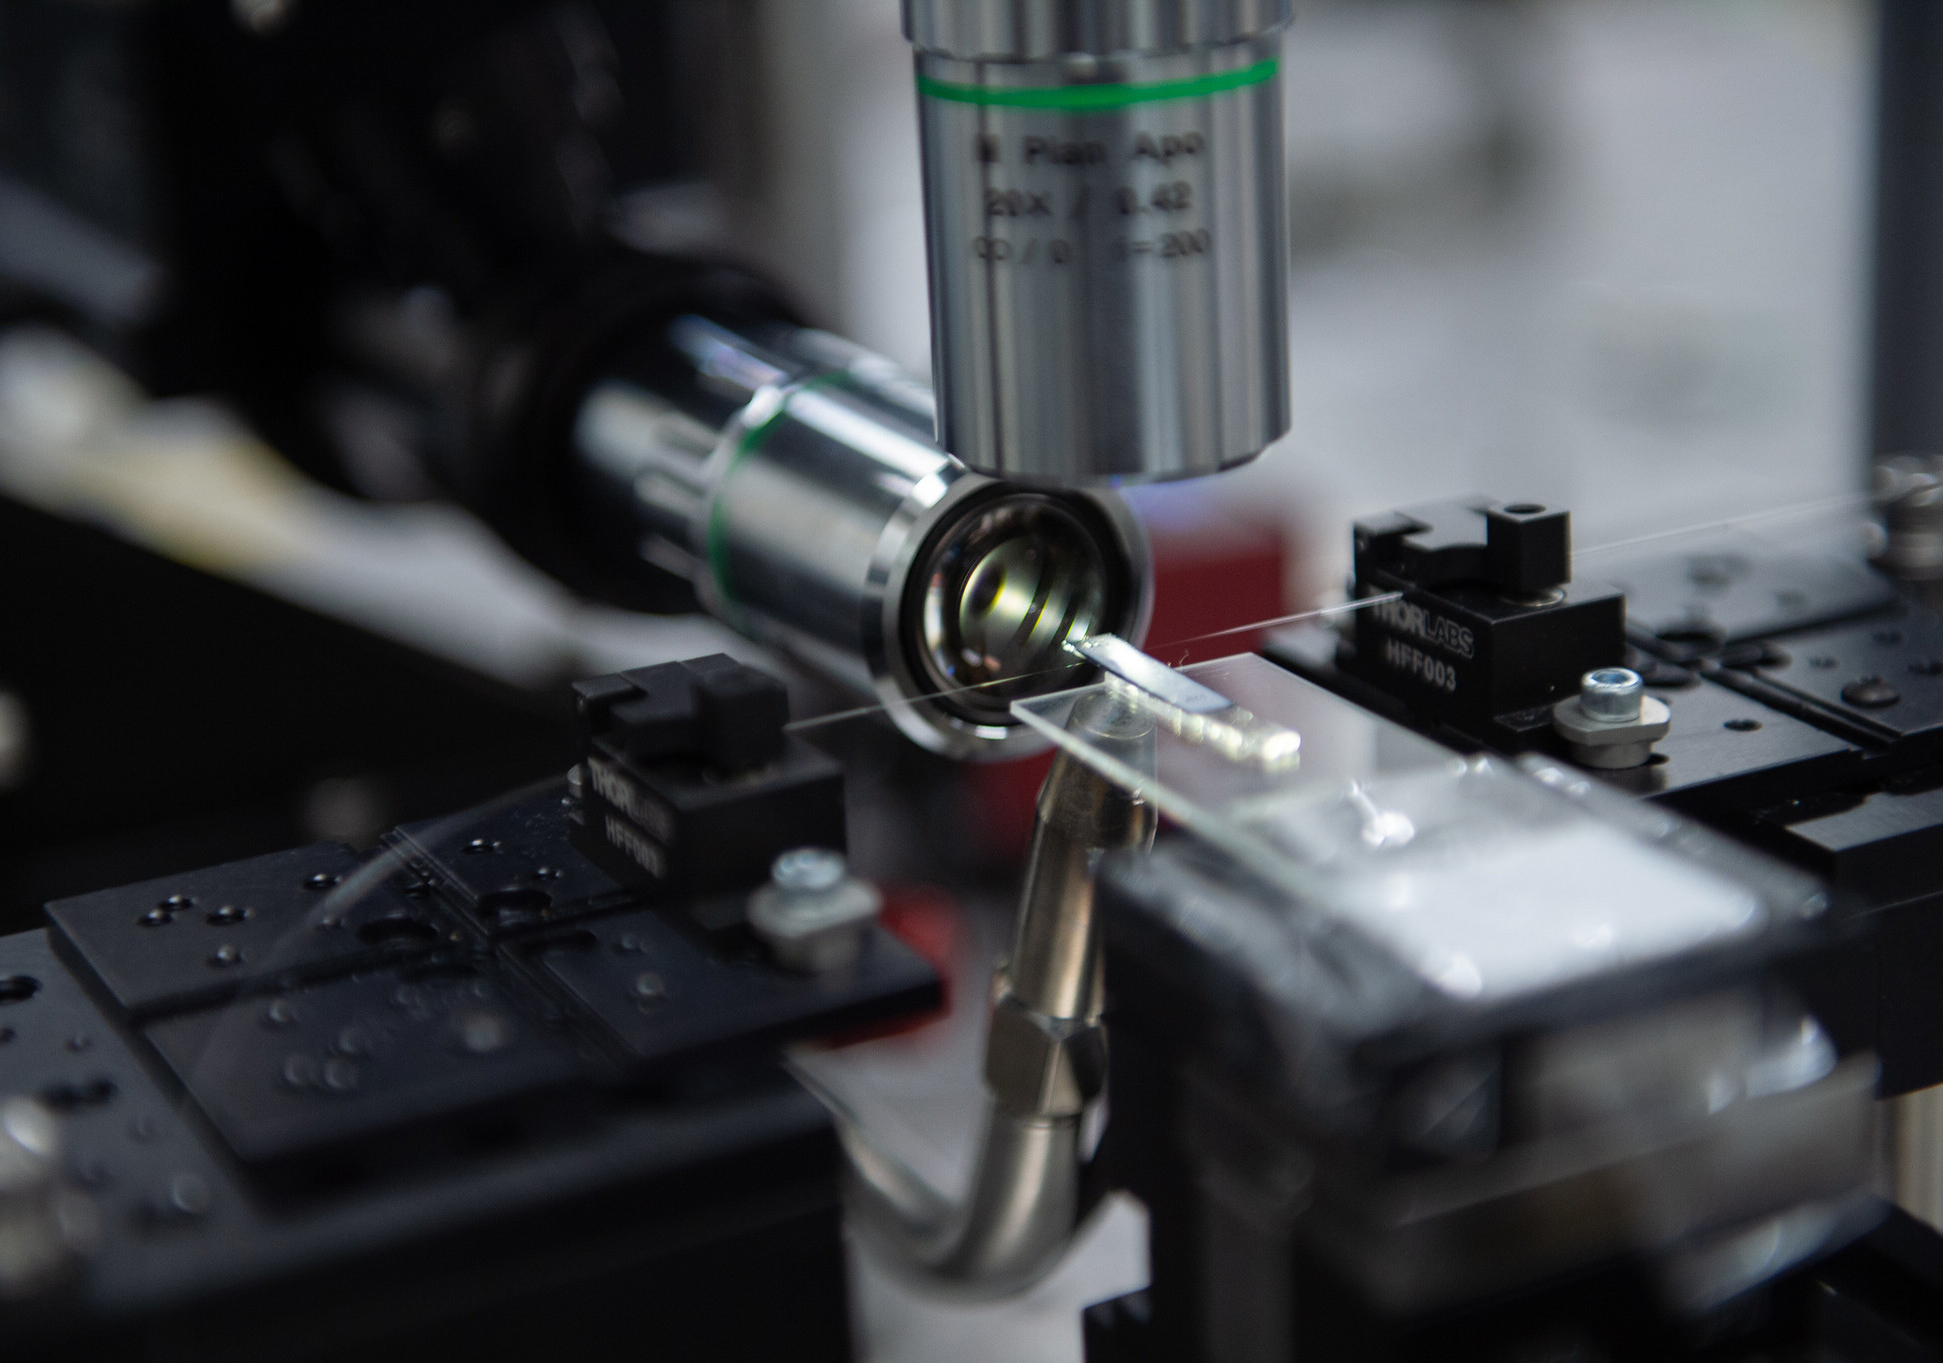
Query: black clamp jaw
{"type": "Point", "coordinates": [1488, 630]}
{"type": "Point", "coordinates": [689, 782]}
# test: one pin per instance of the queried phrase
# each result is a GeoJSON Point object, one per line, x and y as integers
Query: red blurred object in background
{"type": "Point", "coordinates": [1212, 572]}
{"type": "Point", "coordinates": [926, 919]}
{"type": "Point", "coordinates": [1214, 577]}
{"type": "Point", "coordinates": [930, 922]}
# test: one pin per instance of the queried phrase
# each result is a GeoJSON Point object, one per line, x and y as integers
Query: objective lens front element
{"type": "Point", "coordinates": [1005, 588]}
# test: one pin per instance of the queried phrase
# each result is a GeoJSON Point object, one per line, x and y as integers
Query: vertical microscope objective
{"type": "Point", "coordinates": [1106, 225]}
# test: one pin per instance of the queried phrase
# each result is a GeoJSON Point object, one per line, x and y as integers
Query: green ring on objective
{"type": "Point", "coordinates": [748, 443]}
{"type": "Point", "coordinates": [1083, 99]}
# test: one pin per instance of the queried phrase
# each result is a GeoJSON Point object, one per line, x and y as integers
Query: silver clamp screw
{"type": "Point", "coordinates": [812, 914]}
{"type": "Point", "coordinates": [16, 745]}
{"type": "Point", "coordinates": [1612, 723]}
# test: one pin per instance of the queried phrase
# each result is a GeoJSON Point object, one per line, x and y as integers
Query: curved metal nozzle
{"type": "Point", "coordinates": [1045, 1057]}
{"type": "Point", "coordinates": [1016, 1221]}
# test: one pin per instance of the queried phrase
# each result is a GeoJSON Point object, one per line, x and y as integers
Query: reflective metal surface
{"type": "Point", "coordinates": [1190, 710]}
{"type": "Point", "coordinates": [1016, 1220]}
{"type": "Point", "coordinates": [822, 519]}
{"type": "Point", "coordinates": [1106, 236]}
{"type": "Point", "coordinates": [1054, 962]}
{"type": "Point", "coordinates": [1021, 30]}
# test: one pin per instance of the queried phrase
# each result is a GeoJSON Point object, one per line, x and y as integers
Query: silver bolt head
{"type": "Point", "coordinates": [1612, 694]}
{"type": "Point", "coordinates": [1611, 744]}
{"type": "Point", "coordinates": [808, 870]}
{"type": "Point", "coordinates": [814, 930]}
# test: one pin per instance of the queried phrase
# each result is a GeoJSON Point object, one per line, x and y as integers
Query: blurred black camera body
{"type": "Point", "coordinates": [390, 233]}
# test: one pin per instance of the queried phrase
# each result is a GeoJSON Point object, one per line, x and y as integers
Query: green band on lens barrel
{"type": "Point", "coordinates": [717, 537]}
{"type": "Point", "coordinates": [1082, 99]}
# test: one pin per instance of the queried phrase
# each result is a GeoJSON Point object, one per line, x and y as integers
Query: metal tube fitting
{"type": "Point", "coordinates": [1045, 1054]}
{"type": "Point", "coordinates": [1054, 964]}
{"type": "Point", "coordinates": [1106, 224]}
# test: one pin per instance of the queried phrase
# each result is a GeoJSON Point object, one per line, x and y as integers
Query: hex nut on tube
{"type": "Point", "coordinates": [1612, 723]}
{"type": "Point", "coordinates": [812, 913]}
{"type": "Point", "coordinates": [1040, 1066]}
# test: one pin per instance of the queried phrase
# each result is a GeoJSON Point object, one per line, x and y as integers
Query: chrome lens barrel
{"type": "Point", "coordinates": [1106, 225]}
{"type": "Point", "coordinates": [824, 521]}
